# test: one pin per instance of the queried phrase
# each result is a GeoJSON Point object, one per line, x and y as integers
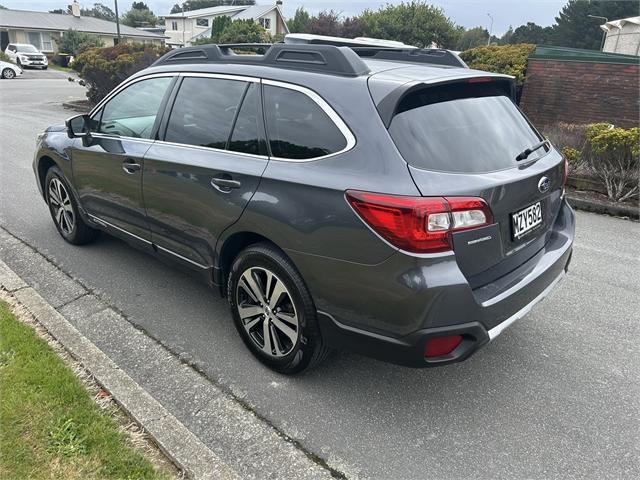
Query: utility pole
{"type": "Point", "coordinates": [490, 29]}
{"type": "Point", "coordinates": [117, 21]}
{"type": "Point", "coordinates": [604, 33]}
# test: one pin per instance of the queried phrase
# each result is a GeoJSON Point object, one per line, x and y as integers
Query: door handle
{"type": "Point", "coordinates": [130, 166]}
{"type": "Point", "coordinates": [224, 183]}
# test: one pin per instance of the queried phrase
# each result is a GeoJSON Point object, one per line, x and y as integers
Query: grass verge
{"type": "Point", "coordinates": [50, 427]}
{"type": "Point", "coordinates": [55, 66]}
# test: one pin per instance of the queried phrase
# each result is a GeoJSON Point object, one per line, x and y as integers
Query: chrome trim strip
{"type": "Point", "coordinates": [108, 224]}
{"type": "Point", "coordinates": [331, 113]}
{"type": "Point", "coordinates": [222, 76]}
{"type": "Point", "coordinates": [199, 265]}
{"type": "Point", "coordinates": [122, 137]}
{"type": "Point", "coordinates": [498, 329]}
{"type": "Point", "coordinates": [210, 149]}
{"type": "Point", "coordinates": [128, 82]}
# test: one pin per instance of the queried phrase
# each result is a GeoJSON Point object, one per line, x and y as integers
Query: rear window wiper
{"type": "Point", "coordinates": [525, 153]}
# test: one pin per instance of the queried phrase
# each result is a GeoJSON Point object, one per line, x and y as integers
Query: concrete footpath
{"type": "Point", "coordinates": [156, 388]}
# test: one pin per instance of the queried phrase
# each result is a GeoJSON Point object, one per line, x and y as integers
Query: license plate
{"type": "Point", "coordinates": [526, 219]}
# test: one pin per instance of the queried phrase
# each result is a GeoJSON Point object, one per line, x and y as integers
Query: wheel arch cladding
{"type": "Point", "coordinates": [44, 164]}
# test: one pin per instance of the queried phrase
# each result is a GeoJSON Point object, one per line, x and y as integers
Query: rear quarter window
{"type": "Point", "coordinates": [462, 129]}
{"type": "Point", "coordinates": [297, 127]}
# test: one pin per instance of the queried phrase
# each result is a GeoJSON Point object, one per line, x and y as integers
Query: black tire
{"type": "Point", "coordinates": [76, 232]}
{"type": "Point", "coordinates": [44, 68]}
{"type": "Point", "coordinates": [309, 350]}
{"type": "Point", "coordinates": [19, 63]}
{"type": "Point", "coordinates": [8, 73]}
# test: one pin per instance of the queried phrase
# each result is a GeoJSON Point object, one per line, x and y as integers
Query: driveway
{"type": "Point", "coordinates": [556, 396]}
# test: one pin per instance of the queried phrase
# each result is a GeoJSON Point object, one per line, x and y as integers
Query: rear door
{"type": "Point", "coordinates": [204, 170]}
{"type": "Point", "coordinates": [462, 139]}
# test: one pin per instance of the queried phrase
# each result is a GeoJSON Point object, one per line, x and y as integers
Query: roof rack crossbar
{"type": "Point", "coordinates": [319, 58]}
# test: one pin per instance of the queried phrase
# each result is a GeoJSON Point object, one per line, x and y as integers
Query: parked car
{"type": "Point", "coordinates": [379, 198]}
{"type": "Point", "coordinates": [26, 55]}
{"type": "Point", "coordinates": [9, 70]}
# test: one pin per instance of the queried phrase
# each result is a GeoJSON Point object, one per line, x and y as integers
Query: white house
{"type": "Point", "coordinates": [184, 28]}
{"type": "Point", "coordinates": [622, 36]}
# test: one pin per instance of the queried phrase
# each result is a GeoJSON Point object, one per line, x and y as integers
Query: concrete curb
{"type": "Point", "coordinates": [173, 438]}
{"type": "Point", "coordinates": [603, 208]}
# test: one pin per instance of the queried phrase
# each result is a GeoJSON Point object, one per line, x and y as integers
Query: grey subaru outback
{"type": "Point", "coordinates": [341, 194]}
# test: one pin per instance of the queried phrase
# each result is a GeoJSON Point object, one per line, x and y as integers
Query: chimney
{"type": "Point", "coordinates": [75, 9]}
{"type": "Point", "coordinates": [279, 3]}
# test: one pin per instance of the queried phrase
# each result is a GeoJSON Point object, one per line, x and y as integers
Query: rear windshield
{"type": "Point", "coordinates": [471, 129]}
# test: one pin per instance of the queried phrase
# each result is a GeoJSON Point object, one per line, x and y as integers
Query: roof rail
{"type": "Point", "coordinates": [318, 58]}
{"type": "Point", "coordinates": [382, 49]}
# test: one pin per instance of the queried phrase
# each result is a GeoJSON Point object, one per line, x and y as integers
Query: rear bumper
{"type": "Point", "coordinates": [394, 309]}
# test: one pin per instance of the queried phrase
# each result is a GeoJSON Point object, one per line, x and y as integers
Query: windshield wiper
{"type": "Point", "coordinates": [525, 153]}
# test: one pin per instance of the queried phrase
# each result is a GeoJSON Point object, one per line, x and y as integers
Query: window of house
{"type": "Point", "coordinates": [203, 111]}
{"type": "Point", "coordinates": [40, 40]}
{"type": "Point", "coordinates": [266, 23]}
{"type": "Point", "coordinates": [202, 22]}
{"type": "Point", "coordinates": [174, 25]}
{"type": "Point", "coordinates": [297, 127]}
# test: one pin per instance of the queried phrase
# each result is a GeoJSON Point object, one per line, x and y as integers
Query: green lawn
{"type": "Point", "coordinates": [55, 66]}
{"type": "Point", "coordinates": [49, 425]}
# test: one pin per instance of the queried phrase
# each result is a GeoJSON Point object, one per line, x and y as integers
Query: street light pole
{"type": "Point", "coordinates": [604, 33]}
{"type": "Point", "coordinates": [117, 21]}
{"type": "Point", "coordinates": [490, 29]}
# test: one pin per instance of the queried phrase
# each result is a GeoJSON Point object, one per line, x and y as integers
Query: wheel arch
{"type": "Point", "coordinates": [44, 164]}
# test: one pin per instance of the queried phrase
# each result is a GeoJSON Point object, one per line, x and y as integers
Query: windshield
{"type": "Point", "coordinates": [26, 48]}
{"type": "Point", "coordinates": [470, 129]}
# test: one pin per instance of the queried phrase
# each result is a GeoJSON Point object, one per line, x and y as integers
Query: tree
{"type": "Point", "coordinates": [218, 26]}
{"type": "Point", "coordinates": [190, 5]}
{"type": "Point", "coordinates": [138, 16]}
{"type": "Point", "coordinates": [352, 27]}
{"type": "Point", "coordinates": [325, 23]}
{"type": "Point", "coordinates": [575, 29]}
{"type": "Point", "coordinates": [413, 22]}
{"type": "Point", "coordinates": [244, 31]}
{"type": "Point", "coordinates": [74, 42]}
{"type": "Point", "coordinates": [531, 33]}
{"type": "Point", "coordinates": [474, 37]}
{"type": "Point", "coordinates": [506, 38]}
{"type": "Point", "coordinates": [300, 21]}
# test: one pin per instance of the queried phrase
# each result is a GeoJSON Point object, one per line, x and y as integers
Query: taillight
{"type": "Point", "coordinates": [438, 346]}
{"type": "Point", "coordinates": [419, 224]}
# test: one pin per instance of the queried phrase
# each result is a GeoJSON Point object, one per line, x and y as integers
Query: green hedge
{"type": "Point", "coordinates": [507, 59]}
{"type": "Point", "coordinates": [102, 69]}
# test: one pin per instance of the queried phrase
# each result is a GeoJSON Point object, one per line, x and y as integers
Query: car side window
{"type": "Point", "coordinates": [246, 131]}
{"type": "Point", "coordinates": [297, 127]}
{"type": "Point", "coordinates": [203, 111]}
{"type": "Point", "coordinates": [132, 112]}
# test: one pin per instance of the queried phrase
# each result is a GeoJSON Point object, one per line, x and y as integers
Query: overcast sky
{"type": "Point", "coordinates": [469, 13]}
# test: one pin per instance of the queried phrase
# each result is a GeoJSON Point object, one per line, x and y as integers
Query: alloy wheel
{"type": "Point", "coordinates": [267, 311]}
{"type": "Point", "coordinates": [8, 73]}
{"type": "Point", "coordinates": [60, 203]}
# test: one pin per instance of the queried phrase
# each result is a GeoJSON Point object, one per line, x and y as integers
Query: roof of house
{"type": "Point", "coordinates": [23, 19]}
{"type": "Point", "coordinates": [619, 23]}
{"type": "Point", "coordinates": [224, 9]}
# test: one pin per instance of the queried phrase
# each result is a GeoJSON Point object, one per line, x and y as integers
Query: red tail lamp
{"type": "Point", "coordinates": [438, 346]}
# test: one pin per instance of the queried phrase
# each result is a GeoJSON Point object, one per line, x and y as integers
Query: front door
{"type": "Point", "coordinates": [107, 170]}
{"type": "Point", "coordinates": [199, 179]}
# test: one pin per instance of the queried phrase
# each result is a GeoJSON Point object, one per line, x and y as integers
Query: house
{"type": "Point", "coordinates": [184, 28]}
{"type": "Point", "coordinates": [42, 29]}
{"type": "Point", "coordinates": [622, 36]}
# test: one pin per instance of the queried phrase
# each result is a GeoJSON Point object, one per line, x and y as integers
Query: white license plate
{"type": "Point", "coordinates": [526, 219]}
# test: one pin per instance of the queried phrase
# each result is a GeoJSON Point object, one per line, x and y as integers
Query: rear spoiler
{"type": "Point", "coordinates": [388, 105]}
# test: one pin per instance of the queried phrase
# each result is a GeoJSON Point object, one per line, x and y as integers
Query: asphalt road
{"type": "Point", "coordinates": [556, 396]}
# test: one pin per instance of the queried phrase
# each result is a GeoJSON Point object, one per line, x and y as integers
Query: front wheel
{"type": "Point", "coordinates": [64, 210]}
{"type": "Point", "coordinates": [273, 310]}
{"type": "Point", "coordinates": [8, 73]}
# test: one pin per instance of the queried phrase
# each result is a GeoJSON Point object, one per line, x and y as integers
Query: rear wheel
{"type": "Point", "coordinates": [64, 210]}
{"type": "Point", "coordinates": [8, 73]}
{"type": "Point", "coordinates": [273, 310]}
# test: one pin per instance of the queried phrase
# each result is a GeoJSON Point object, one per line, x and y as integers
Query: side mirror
{"type": "Point", "coordinates": [78, 126]}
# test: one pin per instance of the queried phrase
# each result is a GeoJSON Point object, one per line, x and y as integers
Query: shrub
{"type": "Point", "coordinates": [616, 151]}
{"type": "Point", "coordinates": [507, 59]}
{"type": "Point", "coordinates": [4, 57]}
{"type": "Point", "coordinates": [74, 42]}
{"type": "Point", "coordinates": [244, 31]}
{"type": "Point", "coordinates": [102, 69]}
{"type": "Point", "coordinates": [572, 138]}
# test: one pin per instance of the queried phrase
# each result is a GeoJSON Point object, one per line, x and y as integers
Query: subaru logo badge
{"type": "Point", "coordinates": [544, 184]}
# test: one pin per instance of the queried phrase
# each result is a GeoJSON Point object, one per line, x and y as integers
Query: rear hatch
{"type": "Point", "coordinates": [461, 138]}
